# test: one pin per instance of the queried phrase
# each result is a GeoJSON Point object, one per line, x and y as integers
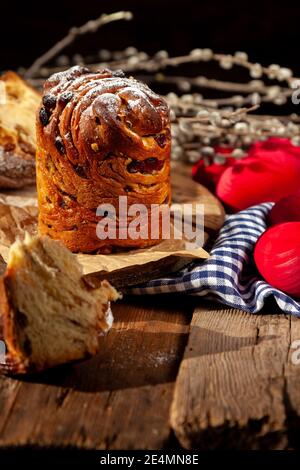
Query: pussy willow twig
{"type": "Point", "coordinates": [89, 27]}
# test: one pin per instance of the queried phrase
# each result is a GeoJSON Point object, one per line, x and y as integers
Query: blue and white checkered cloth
{"type": "Point", "coordinates": [229, 275]}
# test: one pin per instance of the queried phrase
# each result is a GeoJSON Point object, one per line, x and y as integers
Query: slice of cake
{"type": "Point", "coordinates": [50, 316]}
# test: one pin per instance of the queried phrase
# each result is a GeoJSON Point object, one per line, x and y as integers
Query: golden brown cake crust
{"type": "Point", "coordinates": [17, 131]}
{"type": "Point", "coordinates": [99, 136]}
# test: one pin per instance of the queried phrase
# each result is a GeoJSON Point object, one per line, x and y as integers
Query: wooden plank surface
{"type": "Point", "coordinates": [237, 386]}
{"type": "Point", "coordinates": [117, 400]}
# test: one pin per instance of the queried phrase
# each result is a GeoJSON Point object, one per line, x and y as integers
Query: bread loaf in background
{"type": "Point", "coordinates": [18, 104]}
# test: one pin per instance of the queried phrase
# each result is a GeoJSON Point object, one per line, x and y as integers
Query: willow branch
{"type": "Point", "coordinates": [90, 27]}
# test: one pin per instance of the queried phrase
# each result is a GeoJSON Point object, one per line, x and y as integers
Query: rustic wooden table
{"type": "Point", "coordinates": [173, 371]}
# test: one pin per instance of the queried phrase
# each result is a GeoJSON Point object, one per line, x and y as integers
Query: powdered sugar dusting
{"type": "Point", "coordinates": [109, 319]}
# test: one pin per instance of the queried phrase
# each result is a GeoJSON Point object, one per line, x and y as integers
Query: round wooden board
{"type": "Point", "coordinates": [185, 190]}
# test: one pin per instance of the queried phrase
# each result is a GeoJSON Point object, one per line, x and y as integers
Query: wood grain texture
{"type": "Point", "coordinates": [237, 386]}
{"type": "Point", "coordinates": [185, 190]}
{"type": "Point", "coordinates": [119, 399]}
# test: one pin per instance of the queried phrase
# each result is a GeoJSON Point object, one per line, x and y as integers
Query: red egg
{"type": "Point", "coordinates": [286, 210]}
{"type": "Point", "coordinates": [270, 172]}
{"type": "Point", "coordinates": [277, 257]}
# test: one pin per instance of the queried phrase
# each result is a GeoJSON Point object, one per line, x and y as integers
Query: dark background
{"type": "Point", "coordinates": [268, 30]}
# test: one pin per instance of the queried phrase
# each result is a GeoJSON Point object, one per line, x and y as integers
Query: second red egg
{"type": "Point", "coordinates": [277, 257]}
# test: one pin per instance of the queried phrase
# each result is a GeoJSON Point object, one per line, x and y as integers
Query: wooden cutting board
{"type": "Point", "coordinates": [130, 268]}
{"type": "Point", "coordinates": [185, 190]}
